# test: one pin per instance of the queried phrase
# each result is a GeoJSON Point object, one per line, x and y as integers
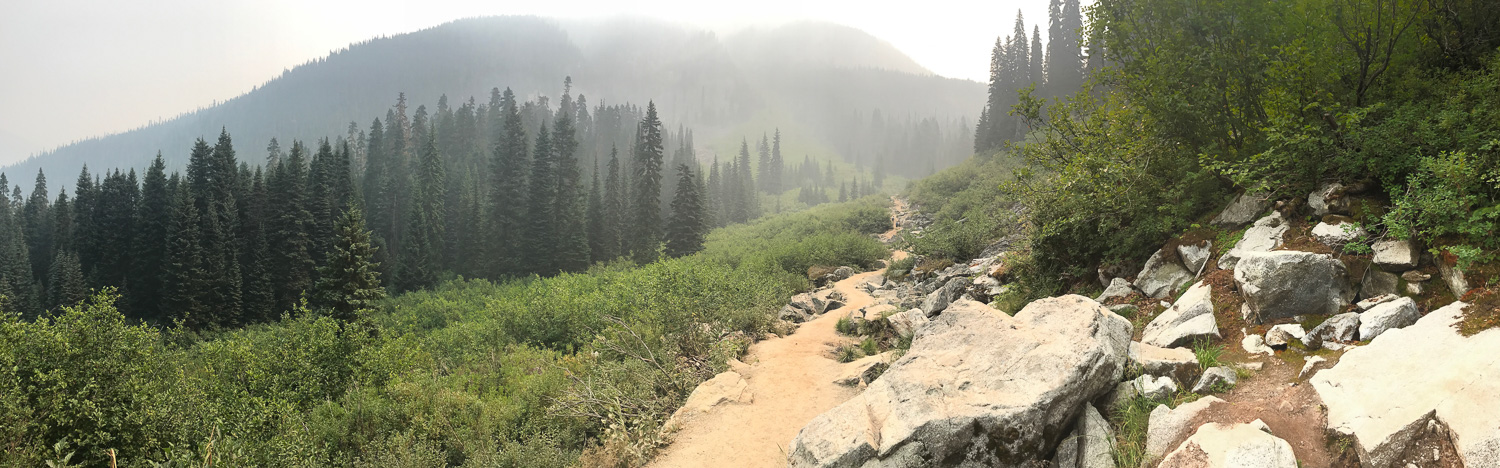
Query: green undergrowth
{"type": "Point", "coordinates": [1131, 420]}
{"type": "Point", "coordinates": [574, 370]}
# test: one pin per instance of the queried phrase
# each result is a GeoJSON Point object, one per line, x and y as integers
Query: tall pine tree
{"type": "Point", "coordinates": [349, 283]}
{"type": "Point", "coordinates": [646, 235]}
{"type": "Point", "coordinates": [686, 227]}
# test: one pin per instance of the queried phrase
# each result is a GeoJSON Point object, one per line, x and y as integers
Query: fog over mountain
{"type": "Point", "coordinates": [831, 84]}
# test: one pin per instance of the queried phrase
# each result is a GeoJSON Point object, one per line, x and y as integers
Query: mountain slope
{"type": "Point", "coordinates": [697, 79]}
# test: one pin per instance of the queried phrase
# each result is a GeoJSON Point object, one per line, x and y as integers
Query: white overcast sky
{"type": "Point", "coordinates": [74, 69]}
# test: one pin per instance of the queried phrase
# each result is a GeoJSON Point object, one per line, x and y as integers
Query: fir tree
{"type": "Point", "coordinates": [182, 273]}
{"type": "Point", "coordinates": [66, 280]}
{"type": "Point", "coordinates": [541, 218]}
{"type": "Point", "coordinates": [597, 246]}
{"type": "Point", "coordinates": [775, 175]}
{"type": "Point", "coordinates": [259, 291]}
{"type": "Point", "coordinates": [153, 221]}
{"type": "Point", "coordinates": [686, 227]}
{"type": "Point", "coordinates": [38, 226]}
{"type": "Point", "coordinates": [425, 231]}
{"type": "Point", "coordinates": [16, 281]}
{"type": "Point", "coordinates": [614, 208]}
{"type": "Point", "coordinates": [572, 245]}
{"type": "Point", "coordinates": [646, 235]}
{"type": "Point", "coordinates": [291, 257]}
{"type": "Point", "coordinates": [349, 283]}
{"type": "Point", "coordinates": [507, 202]}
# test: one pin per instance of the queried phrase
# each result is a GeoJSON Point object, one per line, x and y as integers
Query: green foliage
{"type": "Point", "coordinates": [845, 326]}
{"type": "Point", "coordinates": [1207, 354]}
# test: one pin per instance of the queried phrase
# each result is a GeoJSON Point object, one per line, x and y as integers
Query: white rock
{"type": "Point", "coordinates": [726, 387]}
{"type": "Point", "coordinates": [976, 385]}
{"type": "Point", "coordinates": [1261, 426]}
{"type": "Point", "coordinates": [1278, 336]}
{"type": "Point", "coordinates": [1161, 277]}
{"type": "Point", "coordinates": [1453, 276]}
{"type": "Point", "coordinates": [1390, 315]}
{"type": "Point", "coordinates": [1265, 235]}
{"type": "Point", "coordinates": [1386, 393]}
{"type": "Point", "coordinates": [1242, 210]}
{"type": "Point", "coordinates": [1375, 301]}
{"type": "Point", "coordinates": [1254, 344]}
{"type": "Point", "coordinates": [1307, 367]}
{"type": "Point", "coordinates": [863, 370]}
{"type": "Point", "coordinates": [1118, 287]}
{"type": "Point", "coordinates": [1336, 235]}
{"type": "Point", "coordinates": [1213, 377]}
{"type": "Point", "coordinates": [1090, 445]}
{"type": "Point", "coordinates": [1154, 387]}
{"type": "Point", "coordinates": [1283, 284]}
{"type": "Point", "coordinates": [1178, 363]}
{"type": "Point", "coordinates": [939, 299]}
{"type": "Point", "coordinates": [1192, 317]}
{"type": "Point", "coordinates": [1341, 327]}
{"type": "Point", "coordinates": [1395, 255]}
{"type": "Point", "coordinates": [1318, 199]}
{"type": "Point", "coordinates": [907, 323]}
{"type": "Point", "coordinates": [1195, 256]}
{"type": "Point", "coordinates": [1217, 445]}
{"type": "Point", "coordinates": [1168, 425]}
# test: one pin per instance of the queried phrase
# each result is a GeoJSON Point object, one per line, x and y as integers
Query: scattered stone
{"type": "Point", "coordinates": [1118, 287]}
{"type": "Point", "coordinates": [1415, 289]}
{"type": "Point", "coordinates": [726, 387]}
{"type": "Point", "coordinates": [1195, 256]}
{"type": "Point", "coordinates": [1192, 317]}
{"type": "Point", "coordinates": [939, 299]}
{"type": "Point", "coordinates": [1278, 336]}
{"type": "Point", "coordinates": [1415, 276]}
{"type": "Point", "coordinates": [1090, 445]}
{"type": "Point", "coordinates": [1217, 445]}
{"type": "Point", "coordinates": [1253, 366]}
{"type": "Point", "coordinates": [988, 286]}
{"type": "Point", "coordinates": [1154, 387]}
{"type": "Point", "coordinates": [1454, 277]}
{"type": "Point", "coordinates": [1265, 235]}
{"type": "Point", "coordinates": [1215, 377]}
{"type": "Point", "coordinates": [1320, 200]}
{"type": "Point", "coordinates": [1307, 367]}
{"type": "Point", "coordinates": [1167, 425]}
{"type": "Point", "coordinates": [1336, 235]}
{"type": "Point", "coordinates": [864, 370]}
{"type": "Point", "coordinates": [1375, 301]}
{"type": "Point", "coordinates": [842, 273]}
{"type": "Point", "coordinates": [1378, 283]}
{"type": "Point", "coordinates": [792, 314]}
{"type": "Point", "coordinates": [1395, 255]}
{"type": "Point", "coordinates": [977, 386]}
{"type": "Point", "coordinates": [1341, 327]}
{"type": "Point", "coordinates": [1161, 277]}
{"type": "Point", "coordinates": [1399, 313]}
{"type": "Point", "coordinates": [1385, 394]}
{"type": "Point", "coordinates": [1242, 210]}
{"type": "Point", "coordinates": [907, 323]}
{"type": "Point", "coordinates": [1178, 363]}
{"type": "Point", "coordinates": [1254, 344]}
{"type": "Point", "coordinates": [1287, 283]}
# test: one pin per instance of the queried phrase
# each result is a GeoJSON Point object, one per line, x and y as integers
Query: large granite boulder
{"type": "Point", "coordinates": [1242, 210]}
{"type": "Point", "coordinates": [1166, 426]}
{"type": "Point", "coordinates": [1327, 199]}
{"type": "Point", "coordinates": [1191, 318]}
{"type": "Point", "coordinates": [1387, 316]}
{"type": "Point", "coordinates": [1265, 235]}
{"type": "Point", "coordinates": [1217, 445]}
{"type": "Point", "coordinates": [1337, 234]}
{"type": "Point", "coordinates": [1178, 363]}
{"type": "Point", "coordinates": [1383, 395]}
{"type": "Point", "coordinates": [1161, 276]}
{"type": "Point", "coordinates": [1288, 283]}
{"type": "Point", "coordinates": [1195, 257]}
{"type": "Point", "coordinates": [977, 388]}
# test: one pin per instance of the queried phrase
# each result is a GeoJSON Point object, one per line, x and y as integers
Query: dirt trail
{"type": "Point", "coordinates": [792, 380]}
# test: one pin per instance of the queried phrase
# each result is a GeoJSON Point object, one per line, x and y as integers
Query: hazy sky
{"type": "Point", "coordinates": [80, 68]}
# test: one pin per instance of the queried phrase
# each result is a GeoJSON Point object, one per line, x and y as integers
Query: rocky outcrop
{"type": "Point", "coordinates": [1178, 363]}
{"type": "Point", "coordinates": [1161, 276]}
{"type": "Point", "coordinates": [864, 370]}
{"type": "Point", "coordinates": [1242, 210]}
{"type": "Point", "coordinates": [1194, 257]}
{"type": "Point", "coordinates": [803, 307]}
{"type": "Point", "coordinates": [1090, 445]}
{"type": "Point", "coordinates": [976, 388]}
{"type": "Point", "coordinates": [1386, 316]}
{"type": "Point", "coordinates": [907, 323]}
{"type": "Point", "coordinates": [1217, 445]}
{"type": "Point", "coordinates": [1168, 425]}
{"type": "Point", "coordinates": [1191, 318]}
{"type": "Point", "coordinates": [1395, 255]}
{"type": "Point", "coordinates": [1342, 327]}
{"type": "Point", "coordinates": [726, 387]}
{"type": "Point", "coordinates": [939, 299]}
{"type": "Point", "coordinates": [1265, 235]}
{"type": "Point", "coordinates": [1384, 394]}
{"type": "Point", "coordinates": [1284, 284]}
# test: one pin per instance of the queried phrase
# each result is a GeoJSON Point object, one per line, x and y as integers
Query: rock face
{"type": "Point", "coordinates": [1384, 394]}
{"type": "Point", "coordinates": [863, 370]}
{"type": "Point", "coordinates": [1288, 283]}
{"type": "Point", "coordinates": [1195, 256]}
{"type": "Point", "coordinates": [1341, 327]}
{"type": "Point", "coordinates": [1178, 363]}
{"type": "Point", "coordinates": [1395, 255]}
{"type": "Point", "coordinates": [1335, 235]}
{"type": "Point", "coordinates": [1215, 377]}
{"type": "Point", "coordinates": [907, 323]}
{"type": "Point", "coordinates": [1161, 277]}
{"type": "Point", "coordinates": [726, 387]}
{"type": "Point", "coordinates": [1118, 287]}
{"type": "Point", "coordinates": [1386, 316]}
{"type": "Point", "coordinates": [1262, 237]}
{"type": "Point", "coordinates": [1217, 445]}
{"type": "Point", "coordinates": [1090, 445]}
{"type": "Point", "coordinates": [1242, 210]}
{"type": "Point", "coordinates": [977, 388]}
{"type": "Point", "coordinates": [1192, 317]}
{"type": "Point", "coordinates": [1167, 425]}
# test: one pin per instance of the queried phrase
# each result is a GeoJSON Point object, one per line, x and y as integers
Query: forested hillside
{"type": "Point", "coordinates": [850, 97]}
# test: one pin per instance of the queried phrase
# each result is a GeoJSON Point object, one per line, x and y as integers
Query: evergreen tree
{"type": "Point", "coordinates": [66, 280]}
{"type": "Point", "coordinates": [259, 291]}
{"type": "Point", "coordinates": [507, 204]}
{"type": "Point", "coordinates": [349, 283]}
{"type": "Point", "coordinates": [572, 244]}
{"type": "Point", "coordinates": [763, 168]}
{"type": "Point", "coordinates": [1038, 75]}
{"type": "Point", "coordinates": [422, 254]}
{"type": "Point", "coordinates": [714, 197]}
{"type": "Point", "coordinates": [38, 226]}
{"type": "Point", "coordinates": [16, 281]}
{"type": "Point", "coordinates": [153, 221]}
{"type": "Point", "coordinates": [541, 219]}
{"type": "Point", "coordinates": [114, 216]}
{"type": "Point", "coordinates": [597, 247]}
{"type": "Point", "coordinates": [646, 235]}
{"type": "Point", "coordinates": [614, 208]}
{"type": "Point", "coordinates": [775, 175]}
{"type": "Point", "coordinates": [182, 278]}
{"type": "Point", "coordinates": [84, 241]}
{"type": "Point", "coordinates": [291, 257]}
{"type": "Point", "coordinates": [686, 227]}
